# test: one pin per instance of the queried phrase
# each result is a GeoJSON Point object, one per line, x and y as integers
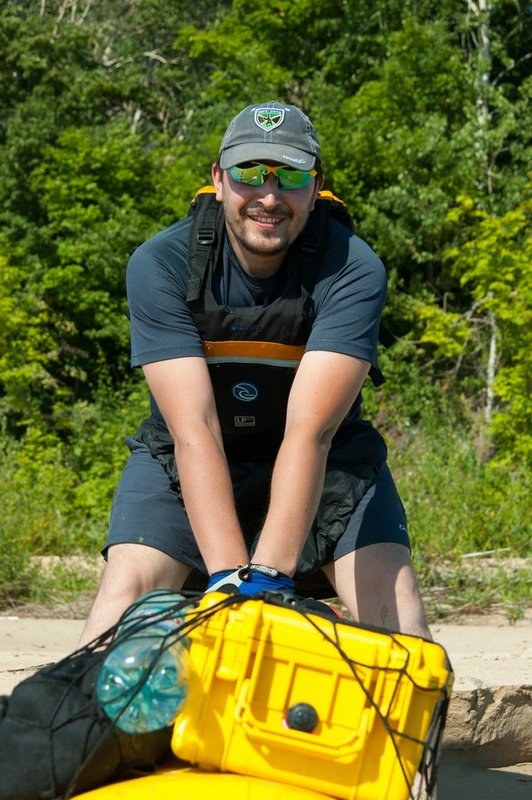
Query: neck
{"type": "Point", "coordinates": [257, 265]}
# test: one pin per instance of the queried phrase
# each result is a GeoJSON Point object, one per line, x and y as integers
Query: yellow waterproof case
{"type": "Point", "coordinates": [290, 696]}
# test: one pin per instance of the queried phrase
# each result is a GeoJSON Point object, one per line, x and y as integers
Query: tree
{"type": "Point", "coordinates": [495, 264]}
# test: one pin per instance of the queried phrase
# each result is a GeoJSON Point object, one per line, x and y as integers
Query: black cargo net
{"type": "Point", "coordinates": [56, 741]}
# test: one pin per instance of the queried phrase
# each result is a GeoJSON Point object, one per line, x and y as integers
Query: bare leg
{"type": "Point", "coordinates": [131, 570]}
{"type": "Point", "coordinates": [378, 585]}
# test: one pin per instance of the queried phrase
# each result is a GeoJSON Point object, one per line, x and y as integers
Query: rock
{"type": "Point", "coordinates": [490, 726]}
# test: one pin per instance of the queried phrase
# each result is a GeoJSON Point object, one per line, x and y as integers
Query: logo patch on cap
{"type": "Point", "coordinates": [269, 118]}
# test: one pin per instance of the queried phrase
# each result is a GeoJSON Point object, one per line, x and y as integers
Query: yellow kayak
{"type": "Point", "coordinates": [188, 783]}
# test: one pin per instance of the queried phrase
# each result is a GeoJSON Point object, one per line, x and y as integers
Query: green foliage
{"type": "Point", "coordinates": [495, 263]}
{"type": "Point", "coordinates": [67, 293]}
{"type": "Point", "coordinates": [24, 344]}
{"type": "Point", "coordinates": [34, 509]}
{"type": "Point", "coordinates": [55, 499]}
{"type": "Point", "coordinates": [36, 498]}
{"type": "Point", "coordinates": [406, 148]}
{"type": "Point", "coordinates": [98, 452]}
{"type": "Point", "coordinates": [457, 502]}
{"type": "Point", "coordinates": [63, 485]}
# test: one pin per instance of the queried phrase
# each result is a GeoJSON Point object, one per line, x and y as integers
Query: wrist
{"type": "Point", "coordinates": [247, 572]}
{"type": "Point", "coordinates": [261, 577]}
{"type": "Point", "coordinates": [250, 580]}
{"type": "Point", "coordinates": [275, 553]}
{"type": "Point", "coordinates": [282, 565]}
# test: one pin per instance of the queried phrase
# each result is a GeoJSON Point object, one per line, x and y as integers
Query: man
{"type": "Point", "coordinates": [250, 473]}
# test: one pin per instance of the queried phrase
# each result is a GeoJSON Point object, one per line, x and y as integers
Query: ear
{"type": "Point", "coordinates": [318, 185]}
{"type": "Point", "coordinates": [217, 175]}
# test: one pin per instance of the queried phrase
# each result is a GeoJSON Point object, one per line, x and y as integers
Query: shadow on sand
{"type": "Point", "coordinates": [458, 780]}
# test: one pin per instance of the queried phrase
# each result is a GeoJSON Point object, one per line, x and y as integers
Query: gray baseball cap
{"type": "Point", "coordinates": [270, 131]}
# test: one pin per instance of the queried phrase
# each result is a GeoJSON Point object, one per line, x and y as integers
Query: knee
{"type": "Point", "coordinates": [133, 569]}
{"type": "Point", "coordinates": [379, 587]}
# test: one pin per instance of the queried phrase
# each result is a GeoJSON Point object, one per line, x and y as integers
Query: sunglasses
{"type": "Point", "coordinates": [256, 174]}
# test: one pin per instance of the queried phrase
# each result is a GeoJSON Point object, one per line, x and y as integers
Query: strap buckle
{"type": "Point", "coordinates": [206, 236]}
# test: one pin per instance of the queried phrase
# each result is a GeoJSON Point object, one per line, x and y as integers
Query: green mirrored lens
{"type": "Point", "coordinates": [292, 178]}
{"type": "Point", "coordinates": [256, 174]}
{"type": "Point", "coordinates": [252, 176]}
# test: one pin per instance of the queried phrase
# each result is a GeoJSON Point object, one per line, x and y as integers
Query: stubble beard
{"type": "Point", "coordinates": [262, 243]}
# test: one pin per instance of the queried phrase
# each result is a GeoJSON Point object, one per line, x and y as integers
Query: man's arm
{"type": "Point", "coordinates": [325, 387]}
{"type": "Point", "coordinates": [183, 392]}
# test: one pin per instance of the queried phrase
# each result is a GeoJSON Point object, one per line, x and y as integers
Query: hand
{"type": "Point", "coordinates": [249, 580]}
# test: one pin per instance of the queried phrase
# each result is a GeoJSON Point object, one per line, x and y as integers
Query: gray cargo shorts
{"type": "Point", "coordinates": [147, 509]}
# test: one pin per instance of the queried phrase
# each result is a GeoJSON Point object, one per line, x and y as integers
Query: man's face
{"type": "Point", "coordinates": [262, 222]}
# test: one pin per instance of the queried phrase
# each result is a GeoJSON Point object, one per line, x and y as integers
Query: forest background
{"type": "Point", "coordinates": [112, 113]}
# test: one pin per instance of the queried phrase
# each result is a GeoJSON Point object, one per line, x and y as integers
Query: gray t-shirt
{"type": "Point", "coordinates": [349, 294]}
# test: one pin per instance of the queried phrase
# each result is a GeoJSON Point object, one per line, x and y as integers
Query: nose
{"type": "Point", "coordinates": [270, 191]}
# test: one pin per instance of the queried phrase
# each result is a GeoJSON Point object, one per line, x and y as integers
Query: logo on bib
{"type": "Point", "coordinates": [244, 422]}
{"type": "Point", "coordinates": [246, 392]}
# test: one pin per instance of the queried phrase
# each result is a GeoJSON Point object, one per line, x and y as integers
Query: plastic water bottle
{"type": "Point", "coordinates": [142, 682]}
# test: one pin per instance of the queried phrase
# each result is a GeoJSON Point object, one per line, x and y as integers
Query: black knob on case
{"type": "Point", "coordinates": [302, 717]}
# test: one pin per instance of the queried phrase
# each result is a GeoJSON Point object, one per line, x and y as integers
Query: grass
{"type": "Point", "coordinates": [498, 585]}
{"type": "Point", "coordinates": [53, 585]}
{"type": "Point", "coordinates": [469, 522]}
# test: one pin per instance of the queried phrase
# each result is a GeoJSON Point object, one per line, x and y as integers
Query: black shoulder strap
{"type": "Point", "coordinates": [386, 337]}
{"type": "Point", "coordinates": [327, 205]}
{"type": "Point", "coordinates": [309, 242]}
{"type": "Point", "coordinates": [206, 234]}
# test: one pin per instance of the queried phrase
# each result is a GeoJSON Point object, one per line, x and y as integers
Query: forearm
{"type": "Point", "coordinates": [208, 498]}
{"type": "Point", "coordinates": [323, 391]}
{"type": "Point", "coordinates": [297, 484]}
{"type": "Point", "coordinates": [183, 392]}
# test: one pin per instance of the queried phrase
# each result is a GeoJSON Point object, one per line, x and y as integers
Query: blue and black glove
{"type": "Point", "coordinates": [249, 580]}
